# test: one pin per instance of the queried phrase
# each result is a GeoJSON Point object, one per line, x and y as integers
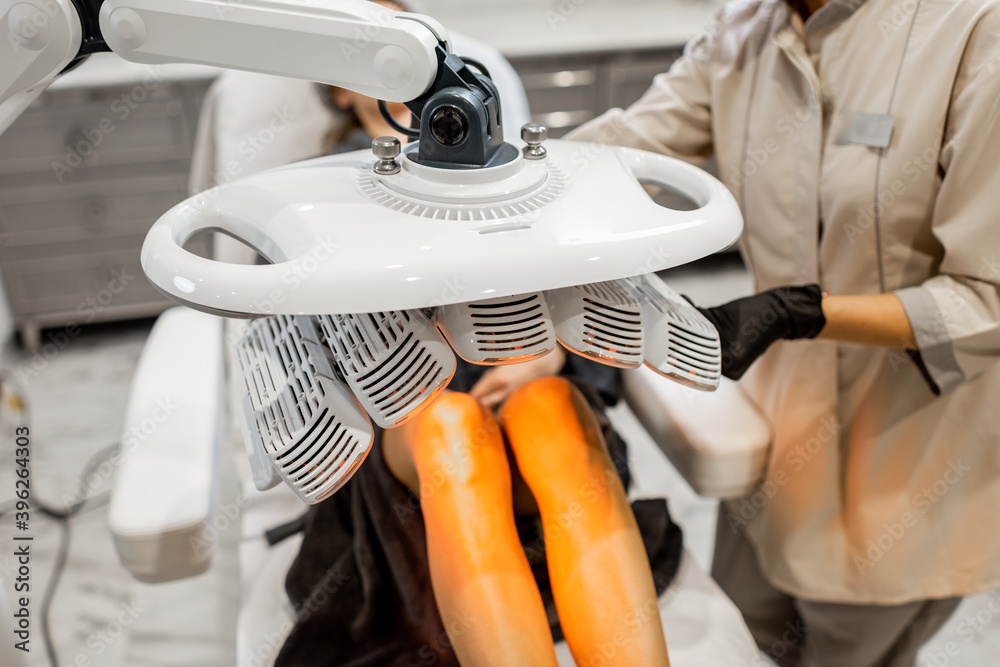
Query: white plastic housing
{"type": "Point", "coordinates": [362, 46]}
{"type": "Point", "coordinates": [265, 476]}
{"type": "Point", "coordinates": [599, 321]}
{"type": "Point", "coordinates": [505, 330]}
{"type": "Point", "coordinates": [578, 216]}
{"type": "Point", "coordinates": [395, 362]}
{"type": "Point", "coordinates": [38, 39]}
{"type": "Point", "coordinates": [297, 411]}
{"type": "Point", "coordinates": [164, 495]}
{"type": "Point", "coordinates": [680, 342]}
{"type": "Point", "coordinates": [718, 441]}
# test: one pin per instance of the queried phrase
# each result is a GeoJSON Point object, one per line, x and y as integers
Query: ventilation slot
{"type": "Point", "coordinates": [395, 362]}
{"type": "Point", "coordinates": [304, 416]}
{"type": "Point", "coordinates": [499, 331]}
{"type": "Point", "coordinates": [682, 344]}
{"type": "Point", "coordinates": [599, 321]}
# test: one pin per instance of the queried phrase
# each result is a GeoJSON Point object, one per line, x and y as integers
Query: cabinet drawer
{"type": "Point", "coordinates": [43, 184]}
{"type": "Point", "coordinates": [74, 214]}
{"type": "Point", "coordinates": [57, 251]}
{"type": "Point", "coordinates": [561, 90]}
{"type": "Point", "coordinates": [566, 91]}
{"type": "Point", "coordinates": [631, 77]}
{"type": "Point", "coordinates": [78, 284]}
{"type": "Point", "coordinates": [73, 131]}
{"type": "Point", "coordinates": [561, 122]}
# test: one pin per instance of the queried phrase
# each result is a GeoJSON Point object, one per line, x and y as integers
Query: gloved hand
{"type": "Point", "coordinates": [748, 326]}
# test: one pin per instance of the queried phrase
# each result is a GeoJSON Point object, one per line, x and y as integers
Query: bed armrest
{"type": "Point", "coordinates": [717, 440]}
{"type": "Point", "coordinates": [165, 492]}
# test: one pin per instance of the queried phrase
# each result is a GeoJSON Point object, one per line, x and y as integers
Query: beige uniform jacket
{"type": "Point", "coordinates": [884, 482]}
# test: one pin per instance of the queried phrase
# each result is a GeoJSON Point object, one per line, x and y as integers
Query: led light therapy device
{"type": "Point", "coordinates": [396, 362]}
{"type": "Point", "coordinates": [600, 321]}
{"type": "Point", "coordinates": [370, 242]}
{"type": "Point", "coordinates": [681, 343]}
{"type": "Point", "coordinates": [300, 421]}
{"type": "Point", "coordinates": [505, 330]}
{"type": "Point", "coordinates": [545, 237]}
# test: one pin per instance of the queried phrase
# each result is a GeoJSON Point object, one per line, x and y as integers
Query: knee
{"type": "Point", "coordinates": [550, 393]}
{"type": "Point", "coordinates": [453, 407]}
{"type": "Point", "coordinates": [553, 431]}
{"type": "Point", "coordinates": [456, 441]}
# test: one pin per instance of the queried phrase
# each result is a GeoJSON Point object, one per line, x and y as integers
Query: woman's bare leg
{"type": "Point", "coordinates": [454, 456]}
{"type": "Point", "coordinates": [598, 566]}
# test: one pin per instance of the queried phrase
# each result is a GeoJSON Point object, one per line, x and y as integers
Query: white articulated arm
{"type": "Point", "coordinates": [38, 39]}
{"type": "Point", "coordinates": [362, 46]}
{"type": "Point", "coordinates": [357, 45]}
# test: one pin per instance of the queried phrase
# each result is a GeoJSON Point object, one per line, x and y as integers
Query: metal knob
{"type": "Point", "coordinates": [534, 134]}
{"type": "Point", "coordinates": [386, 149]}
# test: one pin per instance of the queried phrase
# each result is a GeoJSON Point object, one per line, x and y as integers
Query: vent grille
{"type": "Point", "coordinates": [683, 345]}
{"type": "Point", "coordinates": [310, 427]}
{"type": "Point", "coordinates": [554, 187]}
{"type": "Point", "coordinates": [694, 353]}
{"type": "Point", "coordinates": [601, 321]}
{"type": "Point", "coordinates": [499, 331]}
{"type": "Point", "coordinates": [395, 362]}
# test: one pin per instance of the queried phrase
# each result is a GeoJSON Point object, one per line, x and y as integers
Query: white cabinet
{"type": "Point", "coordinates": [567, 90]}
{"type": "Point", "coordinates": [84, 172]}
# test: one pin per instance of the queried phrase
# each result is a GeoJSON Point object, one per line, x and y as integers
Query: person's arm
{"type": "Point", "coordinates": [871, 319]}
{"type": "Point", "coordinates": [955, 315]}
{"type": "Point", "coordinates": [749, 326]}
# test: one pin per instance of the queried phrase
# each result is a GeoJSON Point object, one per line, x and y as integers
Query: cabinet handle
{"type": "Point", "coordinates": [561, 79]}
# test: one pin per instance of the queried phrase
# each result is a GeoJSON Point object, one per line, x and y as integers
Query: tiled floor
{"type": "Point", "coordinates": [101, 617]}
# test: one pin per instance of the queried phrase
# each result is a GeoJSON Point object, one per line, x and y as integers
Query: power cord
{"type": "Point", "coordinates": [394, 124]}
{"type": "Point", "coordinates": [62, 518]}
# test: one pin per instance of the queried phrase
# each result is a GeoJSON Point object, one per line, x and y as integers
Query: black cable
{"type": "Point", "coordinates": [83, 487]}
{"type": "Point", "coordinates": [62, 558]}
{"type": "Point", "coordinates": [478, 65]}
{"type": "Point", "coordinates": [82, 496]}
{"type": "Point", "coordinates": [62, 518]}
{"type": "Point", "coordinates": [62, 555]}
{"type": "Point", "coordinates": [394, 124]}
{"type": "Point", "coordinates": [415, 133]}
{"type": "Point", "coordinates": [99, 500]}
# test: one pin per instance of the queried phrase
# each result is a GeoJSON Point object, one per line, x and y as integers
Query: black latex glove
{"type": "Point", "coordinates": [748, 326]}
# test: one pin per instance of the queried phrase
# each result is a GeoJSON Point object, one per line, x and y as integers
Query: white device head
{"type": "Point", "coordinates": [395, 362]}
{"type": "Point", "coordinates": [599, 321]}
{"type": "Point", "coordinates": [680, 342]}
{"type": "Point", "coordinates": [518, 228]}
{"type": "Point", "coordinates": [458, 205]}
{"type": "Point", "coordinates": [297, 411]}
{"type": "Point", "coordinates": [505, 330]}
